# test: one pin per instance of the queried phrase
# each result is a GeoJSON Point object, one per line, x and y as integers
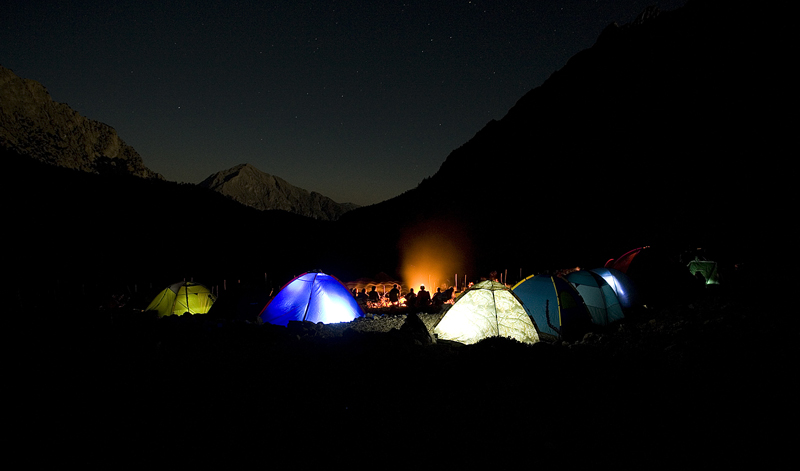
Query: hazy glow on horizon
{"type": "Point", "coordinates": [432, 255]}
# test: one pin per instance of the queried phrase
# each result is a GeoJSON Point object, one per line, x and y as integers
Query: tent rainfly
{"type": "Point", "coordinates": [487, 309]}
{"type": "Point", "coordinates": [624, 261]}
{"type": "Point", "coordinates": [314, 297]}
{"type": "Point", "coordinates": [182, 298]}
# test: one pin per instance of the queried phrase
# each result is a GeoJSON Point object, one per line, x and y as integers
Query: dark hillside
{"type": "Point", "coordinates": [77, 228]}
{"type": "Point", "coordinates": [654, 136]}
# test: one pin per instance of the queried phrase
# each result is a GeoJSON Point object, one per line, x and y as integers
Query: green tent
{"type": "Point", "coordinates": [706, 268]}
{"type": "Point", "coordinates": [181, 298]}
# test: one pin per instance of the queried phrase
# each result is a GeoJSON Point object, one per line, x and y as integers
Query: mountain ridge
{"type": "Point", "coordinates": [624, 146]}
{"type": "Point", "coordinates": [654, 136]}
{"type": "Point", "coordinates": [33, 124]}
{"type": "Point", "coordinates": [252, 187]}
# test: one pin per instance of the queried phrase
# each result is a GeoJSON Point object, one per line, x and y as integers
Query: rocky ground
{"type": "Point", "coordinates": [706, 381]}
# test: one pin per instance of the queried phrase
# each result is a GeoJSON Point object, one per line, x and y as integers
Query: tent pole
{"type": "Point", "coordinates": [310, 294]}
{"type": "Point", "coordinates": [496, 320]}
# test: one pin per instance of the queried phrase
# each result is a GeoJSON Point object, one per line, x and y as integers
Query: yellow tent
{"type": "Point", "coordinates": [181, 298]}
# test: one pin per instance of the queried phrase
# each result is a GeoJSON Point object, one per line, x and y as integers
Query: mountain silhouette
{"type": "Point", "coordinates": [252, 187]}
{"type": "Point", "coordinates": [662, 133]}
{"type": "Point", "coordinates": [648, 137]}
{"type": "Point", "coordinates": [32, 124]}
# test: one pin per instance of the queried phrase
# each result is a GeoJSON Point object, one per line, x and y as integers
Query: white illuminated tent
{"type": "Point", "coordinates": [487, 309]}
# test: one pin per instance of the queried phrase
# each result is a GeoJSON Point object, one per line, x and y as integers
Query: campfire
{"type": "Point", "coordinates": [361, 289]}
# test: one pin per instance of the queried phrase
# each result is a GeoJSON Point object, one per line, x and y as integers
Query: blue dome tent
{"type": "Point", "coordinates": [554, 305]}
{"type": "Point", "coordinates": [314, 297]}
{"type": "Point", "coordinates": [599, 296]}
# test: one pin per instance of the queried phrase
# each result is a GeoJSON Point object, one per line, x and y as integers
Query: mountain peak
{"type": "Point", "coordinates": [250, 186]}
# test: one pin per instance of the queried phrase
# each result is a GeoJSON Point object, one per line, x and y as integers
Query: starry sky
{"type": "Point", "coordinates": [357, 100]}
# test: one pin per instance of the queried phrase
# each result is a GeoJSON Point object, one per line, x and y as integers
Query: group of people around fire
{"type": "Point", "coordinates": [419, 299]}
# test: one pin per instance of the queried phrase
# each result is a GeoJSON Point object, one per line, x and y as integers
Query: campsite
{"type": "Point", "coordinates": [601, 308]}
{"type": "Point", "coordinates": [701, 370]}
{"type": "Point", "coordinates": [381, 387]}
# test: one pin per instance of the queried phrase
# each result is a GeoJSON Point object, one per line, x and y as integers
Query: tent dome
{"type": "Point", "coordinates": [656, 273]}
{"type": "Point", "coordinates": [707, 268]}
{"type": "Point", "coordinates": [599, 297]}
{"type": "Point", "coordinates": [314, 297]}
{"type": "Point", "coordinates": [620, 283]}
{"type": "Point", "coordinates": [554, 305]}
{"type": "Point", "coordinates": [181, 298]}
{"type": "Point", "coordinates": [487, 309]}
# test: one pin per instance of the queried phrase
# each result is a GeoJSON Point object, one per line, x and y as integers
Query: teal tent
{"type": "Point", "coordinates": [554, 305]}
{"type": "Point", "coordinates": [598, 295]}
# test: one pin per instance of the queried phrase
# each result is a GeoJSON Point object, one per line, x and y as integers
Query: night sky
{"type": "Point", "coordinates": [357, 100]}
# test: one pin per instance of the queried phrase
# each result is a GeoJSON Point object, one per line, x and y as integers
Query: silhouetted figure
{"type": "Point", "coordinates": [448, 293]}
{"type": "Point", "coordinates": [374, 296]}
{"type": "Point", "coordinates": [438, 298]}
{"type": "Point", "coordinates": [394, 295]}
{"type": "Point", "coordinates": [411, 298]}
{"type": "Point", "coordinates": [362, 296]}
{"type": "Point", "coordinates": [423, 297]}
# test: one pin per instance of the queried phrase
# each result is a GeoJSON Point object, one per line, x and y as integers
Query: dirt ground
{"type": "Point", "coordinates": [709, 381]}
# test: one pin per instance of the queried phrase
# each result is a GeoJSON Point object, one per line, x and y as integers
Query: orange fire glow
{"type": "Point", "coordinates": [433, 254]}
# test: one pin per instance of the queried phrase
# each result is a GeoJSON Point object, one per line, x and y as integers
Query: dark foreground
{"type": "Point", "coordinates": [710, 381]}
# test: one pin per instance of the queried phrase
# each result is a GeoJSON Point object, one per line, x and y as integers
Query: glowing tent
{"type": "Point", "coordinates": [706, 268]}
{"type": "Point", "coordinates": [314, 297]}
{"type": "Point", "coordinates": [620, 283]}
{"type": "Point", "coordinates": [182, 298]}
{"type": "Point", "coordinates": [598, 295]}
{"type": "Point", "coordinates": [487, 309]}
{"type": "Point", "coordinates": [554, 305]}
